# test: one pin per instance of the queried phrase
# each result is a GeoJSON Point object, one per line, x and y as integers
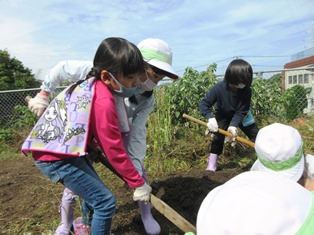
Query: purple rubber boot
{"type": "Point", "coordinates": [150, 224]}
{"type": "Point", "coordinates": [212, 162]}
{"type": "Point", "coordinates": [67, 212]}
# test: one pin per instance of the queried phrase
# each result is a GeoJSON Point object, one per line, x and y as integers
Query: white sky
{"type": "Point", "coordinates": [40, 33]}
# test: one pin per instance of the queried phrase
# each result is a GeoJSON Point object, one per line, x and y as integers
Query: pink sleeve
{"type": "Point", "coordinates": [105, 128]}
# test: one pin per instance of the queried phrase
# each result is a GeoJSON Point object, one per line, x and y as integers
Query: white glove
{"type": "Point", "coordinates": [142, 193]}
{"type": "Point", "coordinates": [212, 125]}
{"type": "Point", "coordinates": [38, 104]}
{"type": "Point", "coordinates": [233, 130]}
{"type": "Point", "coordinates": [309, 167]}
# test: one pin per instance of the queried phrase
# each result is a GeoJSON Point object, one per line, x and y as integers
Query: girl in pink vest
{"type": "Point", "coordinates": [87, 110]}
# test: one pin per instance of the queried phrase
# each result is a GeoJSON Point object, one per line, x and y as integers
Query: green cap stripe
{"type": "Point", "coordinates": [284, 165]}
{"type": "Point", "coordinates": [308, 226]}
{"type": "Point", "coordinates": [150, 54]}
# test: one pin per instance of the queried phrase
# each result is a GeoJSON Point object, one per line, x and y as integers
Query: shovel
{"type": "Point", "coordinates": [221, 131]}
{"type": "Point", "coordinates": [157, 203]}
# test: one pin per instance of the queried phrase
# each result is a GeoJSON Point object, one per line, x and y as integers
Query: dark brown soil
{"type": "Point", "coordinates": [29, 201]}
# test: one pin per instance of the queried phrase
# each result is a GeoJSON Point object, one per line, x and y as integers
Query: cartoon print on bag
{"type": "Point", "coordinates": [82, 101]}
{"type": "Point", "coordinates": [53, 122]}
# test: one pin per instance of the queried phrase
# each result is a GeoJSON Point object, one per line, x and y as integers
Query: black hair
{"type": "Point", "coordinates": [116, 55]}
{"type": "Point", "coordinates": [239, 71]}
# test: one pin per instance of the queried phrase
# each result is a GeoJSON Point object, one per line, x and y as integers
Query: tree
{"type": "Point", "coordinates": [13, 74]}
{"type": "Point", "coordinates": [267, 98]}
{"type": "Point", "coordinates": [296, 101]}
{"type": "Point", "coordinates": [275, 79]}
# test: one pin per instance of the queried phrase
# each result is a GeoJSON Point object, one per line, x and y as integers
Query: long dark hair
{"type": "Point", "coordinates": [239, 71]}
{"type": "Point", "coordinates": [116, 55]}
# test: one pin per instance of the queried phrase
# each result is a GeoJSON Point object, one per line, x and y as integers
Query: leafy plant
{"type": "Point", "coordinates": [17, 128]}
{"type": "Point", "coordinates": [6, 134]}
{"type": "Point", "coordinates": [161, 119]}
{"type": "Point", "coordinates": [22, 117]}
{"type": "Point", "coordinates": [186, 93]}
{"type": "Point", "coordinates": [267, 98]}
{"type": "Point", "coordinates": [296, 101]}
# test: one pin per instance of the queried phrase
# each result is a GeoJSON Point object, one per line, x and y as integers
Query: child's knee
{"type": "Point", "coordinates": [106, 207]}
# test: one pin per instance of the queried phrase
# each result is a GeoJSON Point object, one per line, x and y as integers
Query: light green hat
{"type": "Point", "coordinates": [156, 52]}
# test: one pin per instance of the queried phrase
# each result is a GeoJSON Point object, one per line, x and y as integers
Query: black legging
{"type": "Point", "coordinates": [218, 140]}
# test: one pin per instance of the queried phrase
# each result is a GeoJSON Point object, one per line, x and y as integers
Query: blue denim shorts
{"type": "Point", "coordinates": [79, 175]}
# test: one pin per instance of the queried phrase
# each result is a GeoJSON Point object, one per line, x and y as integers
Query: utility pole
{"type": "Point", "coordinates": [310, 39]}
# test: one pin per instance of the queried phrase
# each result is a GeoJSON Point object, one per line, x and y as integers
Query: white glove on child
{"type": "Point", "coordinates": [234, 131]}
{"type": "Point", "coordinates": [142, 193]}
{"type": "Point", "coordinates": [38, 104]}
{"type": "Point", "coordinates": [212, 125]}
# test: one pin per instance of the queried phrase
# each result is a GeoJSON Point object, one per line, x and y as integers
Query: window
{"type": "Point", "coordinates": [294, 79]}
{"type": "Point", "coordinates": [290, 80]}
{"type": "Point", "coordinates": [300, 78]}
{"type": "Point", "coordinates": [306, 78]}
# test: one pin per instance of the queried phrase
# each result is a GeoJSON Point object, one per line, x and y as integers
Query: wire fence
{"type": "Point", "coordinates": [296, 85]}
{"type": "Point", "coordinates": [12, 98]}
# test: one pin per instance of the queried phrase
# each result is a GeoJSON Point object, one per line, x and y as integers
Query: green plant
{"type": "Point", "coordinates": [6, 134]}
{"type": "Point", "coordinates": [267, 98]}
{"type": "Point", "coordinates": [186, 93]}
{"type": "Point", "coordinates": [159, 123]}
{"type": "Point", "coordinates": [22, 117]}
{"type": "Point", "coordinates": [296, 101]}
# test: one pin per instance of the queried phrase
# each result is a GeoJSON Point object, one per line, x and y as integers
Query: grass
{"type": "Point", "coordinates": [170, 149]}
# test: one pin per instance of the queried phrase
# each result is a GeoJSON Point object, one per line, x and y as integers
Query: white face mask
{"type": "Point", "coordinates": [148, 85]}
{"type": "Point", "coordinates": [240, 86]}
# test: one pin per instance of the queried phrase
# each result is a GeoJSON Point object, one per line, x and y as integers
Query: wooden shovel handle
{"type": "Point", "coordinates": [157, 203]}
{"type": "Point", "coordinates": [221, 131]}
{"type": "Point", "coordinates": [172, 215]}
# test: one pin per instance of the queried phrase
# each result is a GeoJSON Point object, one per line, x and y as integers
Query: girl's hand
{"type": "Point", "coordinates": [38, 104]}
{"type": "Point", "coordinates": [212, 125]}
{"type": "Point", "coordinates": [142, 193]}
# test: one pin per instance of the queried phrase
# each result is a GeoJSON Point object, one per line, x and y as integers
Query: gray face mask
{"type": "Point", "coordinates": [240, 86]}
{"type": "Point", "coordinates": [124, 92]}
{"type": "Point", "coordinates": [148, 85]}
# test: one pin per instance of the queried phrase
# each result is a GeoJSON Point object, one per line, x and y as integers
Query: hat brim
{"type": "Point", "coordinates": [293, 173]}
{"type": "Point", "coordinates": [163, 66]}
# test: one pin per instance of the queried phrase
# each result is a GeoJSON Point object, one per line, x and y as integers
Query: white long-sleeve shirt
{"type": "Point", "coordinates": [137, 113]}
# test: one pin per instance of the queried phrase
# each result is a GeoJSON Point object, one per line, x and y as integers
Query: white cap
{"type": "Point", "coordinates": [279, 150]}
{"type": "Point", "coordinates": [157, 52]}
{"type": "Point", "coordinates": [256, 203]}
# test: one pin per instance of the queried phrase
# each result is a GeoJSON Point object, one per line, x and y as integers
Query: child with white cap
{"type": "Point", "coordinates": [257, 202]}
{"type": "Point", "coordinates": [158, 57]}
{"type": "Point", "coordinates": [279, 150]}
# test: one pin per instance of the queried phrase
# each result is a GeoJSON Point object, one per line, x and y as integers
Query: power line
{"type": "Point", "coordinates": [263, 56]}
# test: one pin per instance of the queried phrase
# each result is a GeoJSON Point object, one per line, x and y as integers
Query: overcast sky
{"type": "Point", "coordinates": [40, 33]}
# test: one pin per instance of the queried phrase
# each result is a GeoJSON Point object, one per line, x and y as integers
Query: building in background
{"type": "Point", "coordinates": [300, 71]}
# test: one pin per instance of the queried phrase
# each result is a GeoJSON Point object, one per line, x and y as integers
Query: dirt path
{"type": "Point", "coordinates": [30, 201]}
